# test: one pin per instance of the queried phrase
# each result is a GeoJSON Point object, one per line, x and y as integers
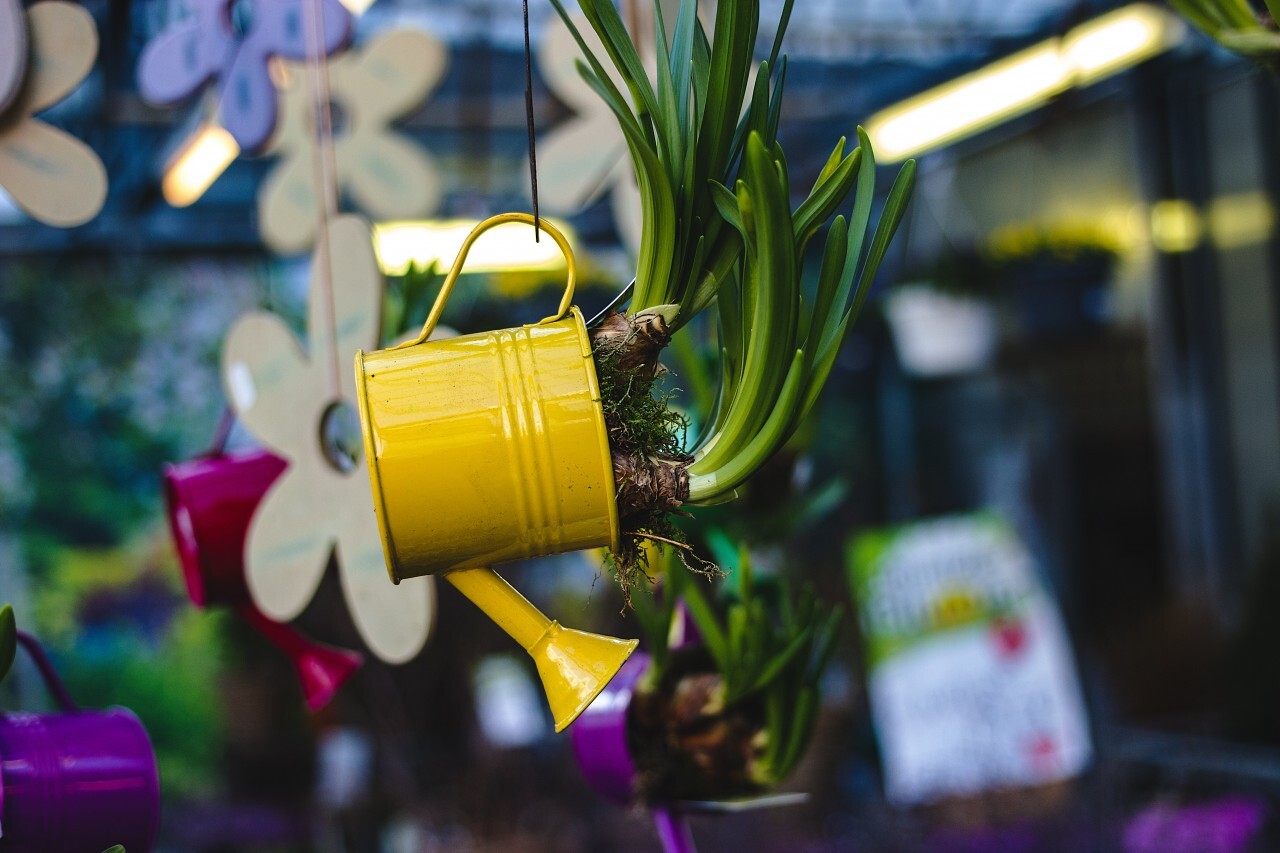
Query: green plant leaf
{"type": "Point", "coordinates": [895, 207]}
{"type": "Point", "coordinates": [804, 714]}
{"type": "Point", "coordinates": [782, 660]}
{"type": "Point", "coordinates": [713, 635]}
{"type": "Point", "coordinates": [1192, 11]}
{"type": "Point", "coordinates": [828, 193]}
{"type": "Point", "coordinates": [8, 640]}
{"type": "Point", "coordinates": [784, 20]}
{"type": "Point", "coordinates": [1255, 42]}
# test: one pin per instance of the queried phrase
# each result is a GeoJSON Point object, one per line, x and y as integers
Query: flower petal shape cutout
{"type": "Point", "coordinates": [282, 390]}
{"type": "Point", "coordinates": [385, 174]}
{"type": "Point", "coordinates": [13, 50]}
{"type": "Point", "coordinates": [52, 176]}
{"type": "Point", "coordinates": [585, 156]}
{"type": "Point", "coordinates": [195, 50]}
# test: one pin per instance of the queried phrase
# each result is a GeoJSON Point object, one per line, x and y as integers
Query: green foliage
{"type": "Point", "coordinates": [1234, 25]}
{"type": "Point", "coordinates": [408, 298]}
{"type": "Point", "coordinates": [697, 131]}
{"type": "Point", "coordinates": [8, 640]}
{"type": "Point", "coordinates": [776, 356]}
{"type": "Point", "coordinates": [683, 132]}
{"type": "Point", "coordinates": [124, 635]}
{"type": "Point", "coordinates": [110, 371]}
{"type": "Point", "coordinates": [119, 848]}
{"type": "Point", "coordinates": [768, 647]}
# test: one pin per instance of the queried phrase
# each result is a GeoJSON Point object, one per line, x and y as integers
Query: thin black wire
{"type": "Point", "coordinates": [528, 111]}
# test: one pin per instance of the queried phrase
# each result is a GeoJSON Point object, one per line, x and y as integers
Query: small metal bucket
{"type": "Point", "coordinates": [76, 780]}
{"type": "Point", "coordinates": [488, 447]}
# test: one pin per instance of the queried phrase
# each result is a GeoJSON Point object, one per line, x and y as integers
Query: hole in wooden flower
{"type": "Point", "coordinates": [340, 440]}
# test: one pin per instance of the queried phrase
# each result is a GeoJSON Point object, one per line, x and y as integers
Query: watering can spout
{"type": "Point", "coordinates": [322, 669]}
{"type": "Point", "coordinates": [574, 665]}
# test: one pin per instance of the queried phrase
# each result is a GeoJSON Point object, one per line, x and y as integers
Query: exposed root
{"type": "Point", "coordinates": [635, 342]}
{"type": "Point", "coordinates": [648, 484]}
{"type": "Point", "coordinates": [647, 439]}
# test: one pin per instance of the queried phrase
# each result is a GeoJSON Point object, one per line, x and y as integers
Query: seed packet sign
{"type": "Point", "coordinates": [971, 680]}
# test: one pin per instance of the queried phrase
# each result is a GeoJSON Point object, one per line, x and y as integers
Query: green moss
{"type": "Point", "coordinates": [641, 422]}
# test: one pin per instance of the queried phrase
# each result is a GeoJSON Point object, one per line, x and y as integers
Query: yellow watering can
{"type": "Point", "coordinates": [492, 447]}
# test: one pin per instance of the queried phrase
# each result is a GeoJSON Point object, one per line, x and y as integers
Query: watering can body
{"type": "Point", "coordinates": [487, 448]}
{"type": "Point", "coordinates": [492, 447]}
{"type": "Point", "coordinates": [76, 780]}
{"type": "Point", "coordinates": [211, 500]}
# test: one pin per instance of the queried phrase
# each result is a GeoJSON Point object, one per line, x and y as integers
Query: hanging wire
{"type": "Point", "coordinates": [324, 173]}
{"type": "Point", "coordinates": [528, 112]}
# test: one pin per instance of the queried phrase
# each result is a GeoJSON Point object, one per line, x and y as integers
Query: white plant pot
{"type": "Point", "coordinates": [938, 334]}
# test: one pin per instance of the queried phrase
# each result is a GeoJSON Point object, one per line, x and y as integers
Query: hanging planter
{"type": "Point", "coordinates": [210, 501]}
{"type": "Point", "coordinates": [75, 779]}
{"type": "Point", "coordinates": [488, 448]}
{"type": "Point", "coordinates": [491, 447]}
{"type": "Point", "coordinates": [940, 334]}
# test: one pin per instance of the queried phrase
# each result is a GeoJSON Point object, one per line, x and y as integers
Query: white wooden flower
{"type": "Point", "coordinates": [283, 390]}
{"type": "Point", "coordinates": [13, 50]}
{"type": "Point", "coordinates": [387, 175]}
{"type": "Point", "coordinates": [54, 177]}
{"type": "Point", "coordinates": [585, 156]}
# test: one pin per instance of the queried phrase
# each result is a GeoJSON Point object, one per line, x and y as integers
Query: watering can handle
{"type": "Point", "coordinates": [36, 652]}
{"type": "Point", "coordinates": [445, 289]}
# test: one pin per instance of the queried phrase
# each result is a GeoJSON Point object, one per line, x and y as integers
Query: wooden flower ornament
{"type": "Point", "coordinates": [386, 175]}
{"type": "Point", "coordinates": [54, 177]}
{"type": "Point", "coordinates": [289, 396]}
{"type": "Point", "coordinates": [13, 50]}
{"type": "Point", "coordinates": [585, 156]}
{"type": "Point", "coordinates": [233, 41]}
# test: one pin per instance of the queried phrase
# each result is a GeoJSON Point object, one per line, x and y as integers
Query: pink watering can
{"type": "Point", "coordinates": [211, 500]}
{"type": "Point", "coordinates": [75, 781]}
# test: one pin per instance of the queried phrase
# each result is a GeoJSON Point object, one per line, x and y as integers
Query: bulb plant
{"type": "Point", "coordinates": [719, 229]}
{"type": "Point", "coordinates": [731, 714]}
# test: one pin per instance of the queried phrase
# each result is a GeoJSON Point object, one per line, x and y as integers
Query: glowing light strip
{"type": "Point", "coordinates": [197, 164]}
{"type": "Point", "coordinates": [505, 247]}
{"type": "Point", "coordinates": [1017, 84]}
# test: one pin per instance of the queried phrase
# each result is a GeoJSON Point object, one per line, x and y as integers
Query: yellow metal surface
{"type": "Point", "coordinates": [489, 447]}
{"type": "Point", "coordinates": [574, 665]}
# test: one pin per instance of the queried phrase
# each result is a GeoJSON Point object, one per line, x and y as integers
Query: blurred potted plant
{"type": "Point", "coordinates": [1058, 275]}
{"type": "Point", "coordinates": [725, 710]}
{"type": "Point", "coordinates": [943, 316]}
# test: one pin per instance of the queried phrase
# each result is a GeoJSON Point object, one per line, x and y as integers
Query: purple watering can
{"type": "Point", "coordinates": [75, 780]}
{"type": "Point", "coordinates": [600, 744]}
{"type": "Point", "coordinates": [211, 500]}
